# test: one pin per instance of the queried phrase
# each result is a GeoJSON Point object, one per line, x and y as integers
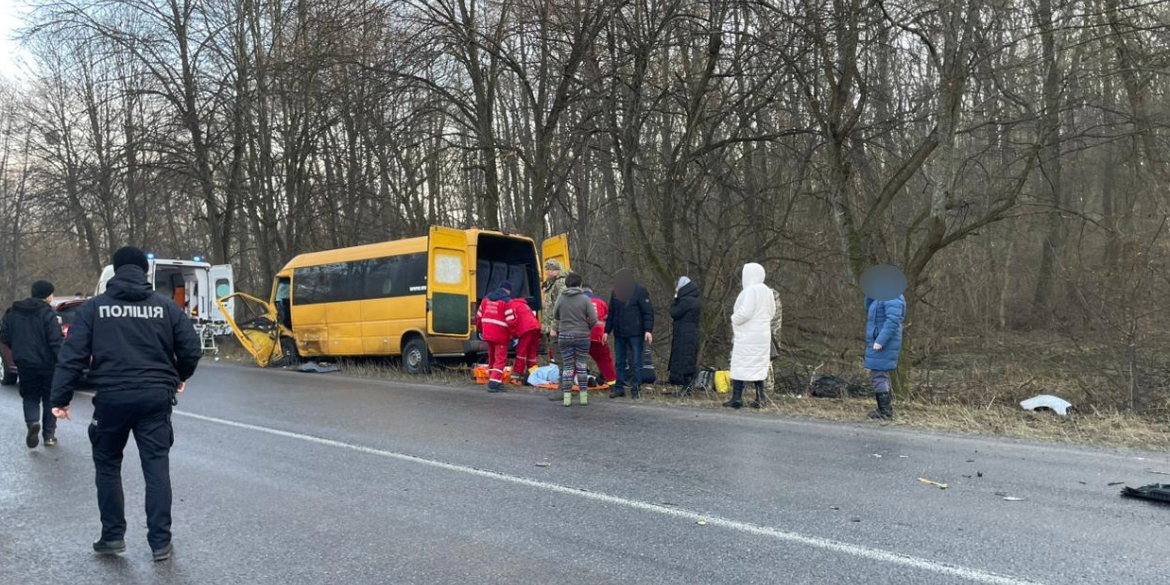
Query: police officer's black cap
{"type": "Point", "coordinates": [130, 256]}
{"type": "Point", "coordinates": [42, 289]}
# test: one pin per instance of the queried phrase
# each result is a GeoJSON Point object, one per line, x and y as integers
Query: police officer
{"type": "Point", "coordinates": [31, 330]}
{"type": "Point", "coordinates": [143, 349]}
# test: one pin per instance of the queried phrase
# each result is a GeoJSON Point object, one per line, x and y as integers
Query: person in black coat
{"type": "Point", "coordinates": [33, 333]}
{"type": "Point", "coordinates": [684, 347]}
{"type": "Point", "coordinates": [631, 323]}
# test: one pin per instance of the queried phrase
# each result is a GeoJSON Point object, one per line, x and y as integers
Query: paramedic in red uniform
{"type": "Point", "coordinates": [524, 326]}
{"type": "Point", "coordinates": [492, 324]}
{"type": "Point", "coordinates": [598, 348]}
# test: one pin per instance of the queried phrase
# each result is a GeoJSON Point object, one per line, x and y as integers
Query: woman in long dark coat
{"type": "Point", "coordinates": [684, 347]}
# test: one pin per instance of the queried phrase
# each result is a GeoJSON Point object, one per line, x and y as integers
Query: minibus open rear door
{"type": "Point", "coordinates": [449, 284]}
{"type": "Point", "coordinates": [254, 323]}
{"type": "Point", "coordinates": [556, 248]}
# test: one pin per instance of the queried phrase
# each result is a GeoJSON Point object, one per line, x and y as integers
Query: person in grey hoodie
{"type": "Point", "coordinates": [576, 316]}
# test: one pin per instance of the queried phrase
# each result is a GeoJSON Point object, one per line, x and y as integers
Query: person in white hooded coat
{"type": "Point", "coordinates": [752, 324]}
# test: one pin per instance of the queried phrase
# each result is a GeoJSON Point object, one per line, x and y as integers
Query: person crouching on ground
{"type": "Point", "coordinates": [576, 316]}
{"type": "Point", "coordinates": [525, 327]}
{"type": "Point", "coordinates": [491, 322]}
{"type": "Point", "coordinates": [598, 348]}
{"type": "Point", "coordinates": [883, 343]}
{"type": "Point", "coordinates": [752, 323]}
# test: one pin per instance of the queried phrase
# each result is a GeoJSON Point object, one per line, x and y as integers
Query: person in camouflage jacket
{"type": "Point", "coordinates": [554, 285]}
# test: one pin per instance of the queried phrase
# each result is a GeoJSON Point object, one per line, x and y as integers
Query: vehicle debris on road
{"type": "Point", "coordinates": [318, 368]}
{"type": "Point", "coordinates": [941, 486]}
{"type": "Point", "coordinates": [1158, 492]}
{"type": "Point", "coordinates": [1047, 402]}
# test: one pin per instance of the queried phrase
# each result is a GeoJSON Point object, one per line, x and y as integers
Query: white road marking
{"type": "Point", "coordinates": [974, 575]}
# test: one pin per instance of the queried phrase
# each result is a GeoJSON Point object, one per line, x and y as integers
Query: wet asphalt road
{"type": "Point", "coordinates": [293, 478]}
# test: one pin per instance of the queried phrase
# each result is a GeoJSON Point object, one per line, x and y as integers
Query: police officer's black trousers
{"type": "Point", "coordinates": [35, 387]}
{"type": "Point", "coordinates": [146, 412]}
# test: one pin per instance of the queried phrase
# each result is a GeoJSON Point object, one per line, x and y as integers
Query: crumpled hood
{"type": "Point", "coordinates": [753, 274]}
{"type": "Point", "coordinates": [129, 284]}
{"type": "Point", "coordinates": [499, 295]}
{"type": "Point", "coordinates": [572, 292]}
{"type": "Point", "coordinates": [689, 289]}
{"type": "Point", "coordinates": [31, 306]}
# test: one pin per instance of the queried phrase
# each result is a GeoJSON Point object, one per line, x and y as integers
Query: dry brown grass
{"type": "Point", "coordinates": [1104, 429]}
{"type": "Point", "coordinates": [936, 408]}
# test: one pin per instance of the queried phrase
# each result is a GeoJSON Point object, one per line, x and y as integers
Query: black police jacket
{"type": "Point", "coordinates": [136, 339]}
{"type": "Point", "coordinates": [31, 330]}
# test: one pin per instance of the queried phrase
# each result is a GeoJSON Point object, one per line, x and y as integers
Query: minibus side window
{"type": "Point", "coordinates": [329, 283]}
{"type": "Point", "coordinates": [396, 276]}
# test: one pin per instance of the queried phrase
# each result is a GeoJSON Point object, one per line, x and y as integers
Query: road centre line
{"type": "Point", "coordinates": [940, 568]}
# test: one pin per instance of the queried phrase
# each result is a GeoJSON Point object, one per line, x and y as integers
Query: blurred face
{"type": "Point", "coordinates": [49, 299]}
{"type": "Point", "coordinates": [551, 273]}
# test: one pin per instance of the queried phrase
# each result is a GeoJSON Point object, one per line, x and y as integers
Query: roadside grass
{"type": "Point", "coordinates": [961, 400]}
{"type": "Point", "coordinates": [1095, 428]}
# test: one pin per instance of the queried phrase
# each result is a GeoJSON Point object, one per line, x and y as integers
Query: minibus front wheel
{"type": "Point", "coordinates": [416, 358]}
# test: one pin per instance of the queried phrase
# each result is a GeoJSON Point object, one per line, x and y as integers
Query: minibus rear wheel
{"type": "Point", "coordinates": [416, 358]}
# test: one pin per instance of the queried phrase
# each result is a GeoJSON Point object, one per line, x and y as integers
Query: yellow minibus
{"type": "Point", "coordinates": [414, 298]}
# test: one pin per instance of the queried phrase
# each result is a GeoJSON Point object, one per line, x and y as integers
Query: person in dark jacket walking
{"type": "Point", "coordinates": [684, 344]}
{"type": "Point", "coordinates": [140, 349]}
{"type": "Point", "coordinates": [576, 316]}
{"type": "Point", "coordinates": [33, 333]}
{"type": "Point", "coordinates": [631, 323]}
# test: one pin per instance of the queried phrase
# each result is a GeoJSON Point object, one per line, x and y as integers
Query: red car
{"type": "Point", "coordinates": [65, 307]}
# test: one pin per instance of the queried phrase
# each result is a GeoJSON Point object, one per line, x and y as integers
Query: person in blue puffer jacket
{"type": "Point", "coordinates": [883, 344]}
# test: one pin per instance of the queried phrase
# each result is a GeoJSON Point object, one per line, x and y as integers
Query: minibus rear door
{"type": "Point", "coordinates": [556, 248]}
{"type": "Point", "coordinates": [449, 286]}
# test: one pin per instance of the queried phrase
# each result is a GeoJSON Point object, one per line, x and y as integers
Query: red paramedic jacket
{"type": "Point", "coordinates": [520, 318]}
{"type": "Point", "coordinates": [602, 313]}
{"type": "Point", "coordinates": [490, 319]}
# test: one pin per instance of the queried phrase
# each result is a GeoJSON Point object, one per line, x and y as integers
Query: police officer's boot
{"type": "Point", "coordinates": [568, 400]}
{"type": "Point", "coordinates": [736, 398]}
{"type": "Point", "coordinates": [884, 410]}
{"type": "Point", "coordinates": [34, 435]}
{"type": "Point", "coordinates": [617, 391]}
{"type": "Point", "coordinates": [583, 394]}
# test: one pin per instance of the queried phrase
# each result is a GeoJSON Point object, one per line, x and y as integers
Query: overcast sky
{"type": "Point", "coordinates": [10, 52]}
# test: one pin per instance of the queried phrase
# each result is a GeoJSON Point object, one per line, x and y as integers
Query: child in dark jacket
{"type": "Point", "coordinates": [491, 321]}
